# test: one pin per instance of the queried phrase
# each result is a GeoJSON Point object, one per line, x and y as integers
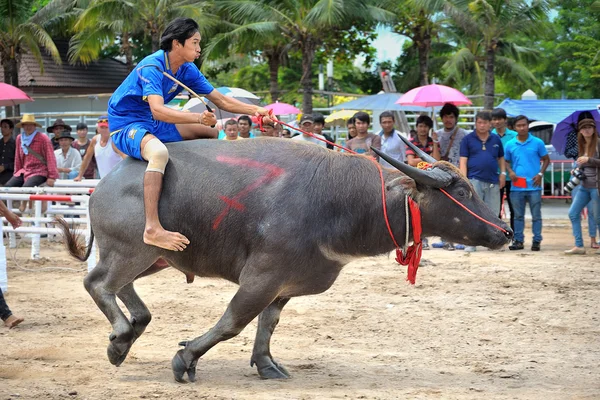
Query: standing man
{"type": "Point", "coordinates": [423, 141]}
{"type": "Point", "coordinates": [35, 163]}
{"type": "Point", "coordinates": [391, 144]}
{"type": "Point", "coordinates": [7, 151]}
{"type": "Point", "coordinates": [523, 158]}
{"type": "Point", "coordinates": [57, 128]}
{"type": "Point", "coordinates": [245, 125]}
{"type": "Point", "coordinates": [363, 140]}
{"type": "Point", "coordinates": [141, 123]}
{"type": "Point", "coordinates": [307, 123]}
{"type": "Point", "coordinates": [506, 135]}
{"type": "Point", "coordinates": [450, 137]}
{"type": "Point", "coordinates": [103, 150]}
{"type": "Point", "coordinates": [318, 126]}
{"type": "Point", "coordinates": [10, 320]}
{"type": "Point", "coordinates": [81, 144]}
{"type": "Point", "coordinates": [481, 157]}
{"type": "Point", "coordinates": [68, 159]}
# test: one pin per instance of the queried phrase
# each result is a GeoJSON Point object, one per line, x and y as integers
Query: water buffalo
{"type": "Point", "coordinates": [277, 217]}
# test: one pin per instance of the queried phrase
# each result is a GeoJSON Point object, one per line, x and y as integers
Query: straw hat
{"type": "Point", "coordinates": [28, 119]}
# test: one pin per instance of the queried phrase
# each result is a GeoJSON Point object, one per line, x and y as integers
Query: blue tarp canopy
{"type": "Point", "coordinates": [381, 102]}
{"type": "Point", "coordinates": [552, 111]}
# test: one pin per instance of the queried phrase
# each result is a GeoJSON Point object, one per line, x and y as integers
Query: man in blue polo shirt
{"type": "Point", "coordinates": [482, 161]}
{"type": "Point", "coordinates": [523, 157]}
{"type": "Point", "coordinates": [499, 122]}
{"type": "Point", "coordinates": [141, 122]}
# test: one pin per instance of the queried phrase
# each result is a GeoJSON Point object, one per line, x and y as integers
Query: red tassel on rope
{"type": "Point", "coordinates": [412, 258]}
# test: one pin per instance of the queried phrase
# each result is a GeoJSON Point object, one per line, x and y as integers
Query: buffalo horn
{"type": "Point", "coordinates": [436, 177]}
{"type": "Point", "coordinates": [422, 155]}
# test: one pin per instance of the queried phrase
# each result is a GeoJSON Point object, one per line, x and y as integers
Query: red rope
{"type": "Point", "coordinates": [472, 213]}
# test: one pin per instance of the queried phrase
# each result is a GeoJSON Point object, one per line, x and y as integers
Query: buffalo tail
{"type": "Point", "coordinates": [75, 245]}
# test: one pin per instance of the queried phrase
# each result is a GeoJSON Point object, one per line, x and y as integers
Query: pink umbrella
{"type": "Point", "coordinates": [282, 108]}
{"type": "Point", "coordinates": [11, 96]}
{"type": "Point", "coordinates": [433, 95]}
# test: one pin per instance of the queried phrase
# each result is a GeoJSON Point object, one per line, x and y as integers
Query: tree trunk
{"type": "Point", "coordinates": [11, 76]}
{"type": "Point", "coordinates": [273, 58]}
{"type": "Point", "coordinates": [127, 51]}
{"type": "Point", "coordinates": [489, 89]}
{"type": "Point", "coordinates": [155, 35]}
{"type": "Point", "coordinates": [423, 48]}
{"type": "Point", "coordinates": [308, 55]}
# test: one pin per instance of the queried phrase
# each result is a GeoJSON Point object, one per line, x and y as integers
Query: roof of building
{"type": "Point", "coordinates": [103, 75]}
{"type": "Point", "coordinates": [552, 111]}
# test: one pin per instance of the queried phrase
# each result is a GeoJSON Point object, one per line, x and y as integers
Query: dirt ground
{"type": "Point", "coordinates": [495, 325]}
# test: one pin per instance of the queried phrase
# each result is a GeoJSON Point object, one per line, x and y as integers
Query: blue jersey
{"type": "Point", "coordinates": [129, 103]}
{"type": "Point", "coordinates": [129, 114]}
{"type": "Point", "coordinates": [525, 158]}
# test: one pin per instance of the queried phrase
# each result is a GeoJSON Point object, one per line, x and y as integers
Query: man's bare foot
{"type": "Point", "coordinates": [165, 239]}
{"type": "Point", "coordinates": [13, 321]}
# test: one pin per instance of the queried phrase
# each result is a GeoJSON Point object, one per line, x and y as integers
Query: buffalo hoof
{"type": "Point", "coordinates": [117, 350]}
{"type": "Point", "coordinates": [180, 368]}
{"type": "Point", "coordinates": [271, 369]}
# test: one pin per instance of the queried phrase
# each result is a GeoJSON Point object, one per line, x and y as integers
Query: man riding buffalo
{"type": "Point", "coordinates": [141, 123]}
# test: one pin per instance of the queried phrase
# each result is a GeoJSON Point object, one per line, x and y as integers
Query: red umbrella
{"type": "Point", "coordinates": [433, 95]}
{"type": "Point", "coordinates": [11, 96]}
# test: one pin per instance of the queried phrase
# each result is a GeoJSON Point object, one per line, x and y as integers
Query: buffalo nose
{"type": "Point", "coordinates": [508, 233]}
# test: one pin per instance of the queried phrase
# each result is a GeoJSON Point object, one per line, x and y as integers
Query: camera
{"type": "Point", "coordinates": [575, 180]}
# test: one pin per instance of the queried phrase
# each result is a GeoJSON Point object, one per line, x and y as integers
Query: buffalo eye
{"type": "Point", "coordinates": [462, 193]}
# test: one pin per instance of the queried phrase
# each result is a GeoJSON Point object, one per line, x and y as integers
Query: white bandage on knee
{"type": "Point", "coordinates": [157, 155]}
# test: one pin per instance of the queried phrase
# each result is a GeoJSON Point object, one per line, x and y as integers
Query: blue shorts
{"type": "Point", "coordinates": [129, 138]}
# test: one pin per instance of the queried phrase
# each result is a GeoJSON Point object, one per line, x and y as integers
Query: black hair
{"type": "Point", "coordinates": [520, 117]}
{"type": "Point", "coordinates": [9, 122]}
{"type": "Point", "coordinates": [584, 115]}
{"type": "Point", "coordinates": [230, 122]}
{"type": "Point", "coordinates": [424, 119]}
{"type": "Point", "coordinates": [351, 121]}
{"type": "Point", "coordinates": [484, 115]}
{"type": "Point", "coordinates": [362, 117]}
{"type": "Point", "coordinates": [448, 109]}
{"type": "Point", "coordinates": [180, 29]}
{"type": "Point", "coordinates": [245, 118]}
{"type": "Point", "coordinates": [499, 113]}
{"type": "Point", "coordinates": [387, 114]}
{"type": "Point", "coordinates": [318, 119]}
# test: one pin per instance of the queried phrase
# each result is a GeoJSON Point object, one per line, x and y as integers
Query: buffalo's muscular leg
{"type": "Point", "coordinates": [140, 315]}
{"type": "Point", "coordinates": [242, 309]}
{"type": "Point", "coordinates": [261, 354]}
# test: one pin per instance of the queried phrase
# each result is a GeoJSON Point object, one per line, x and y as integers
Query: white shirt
{"type": "Point", "coordinates": [393, 146]}
{"type": "Point", "coordinates": [311, 139]}
{"type": "Point", "coordinates": [72, 161]}
{"type": "Point", "coordinates": [106, 157]}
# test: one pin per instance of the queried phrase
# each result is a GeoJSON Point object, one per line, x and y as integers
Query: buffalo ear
{"type": "Point", "coordinates": [404, 183]}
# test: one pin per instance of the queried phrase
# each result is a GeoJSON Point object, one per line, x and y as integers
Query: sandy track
{"type": "Point", "coordinates": [493, 325]}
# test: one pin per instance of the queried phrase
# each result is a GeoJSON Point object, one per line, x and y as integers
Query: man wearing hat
{"type": "Point", "coordinates": [82, 143]}
{"type": "Point", "coordinates": [35, 162]}
{"type": "Point", "coordinates": [68, 159]}
{"type": "Point", "coordinates": [307, 124]}
{"type": "Point", "coordinates": [57, 128]}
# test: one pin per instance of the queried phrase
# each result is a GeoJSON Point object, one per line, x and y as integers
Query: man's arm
{"type": "Point", "coordinates": [509, 170]}
{"type": "Point", "coordinates": [119, 152]}
{"type": "Point", "coordinates": [50, 162]}
{"type": "Point", "coordinates": [163, 113]}
{"type": "Point", "coordinates": [377, 144]}
{"type": "Point", "coordinates": [87, 158]}
{"type": "Point", "coordinates": [502, 166]}
{"type": "Point", "coordinates": [463, 165]}
{"type": "Point", "coordinates": [538, 179]}
{"type": "Point", "coordinates": [76, 162]}
{"type": "Point", "coordinates": [234, 105]}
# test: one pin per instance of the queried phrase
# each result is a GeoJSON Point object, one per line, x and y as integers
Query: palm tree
{"type": "Point", "coordinates": [20, 33]}
{"type": "Point", "coordinates": [421, 25]}
{"type": "Point", "coordinates": [490, 26]}
{"type": "Point", "coordinates": [303, 24]}
{"type": "Point", "coordinates": [105, 21]}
